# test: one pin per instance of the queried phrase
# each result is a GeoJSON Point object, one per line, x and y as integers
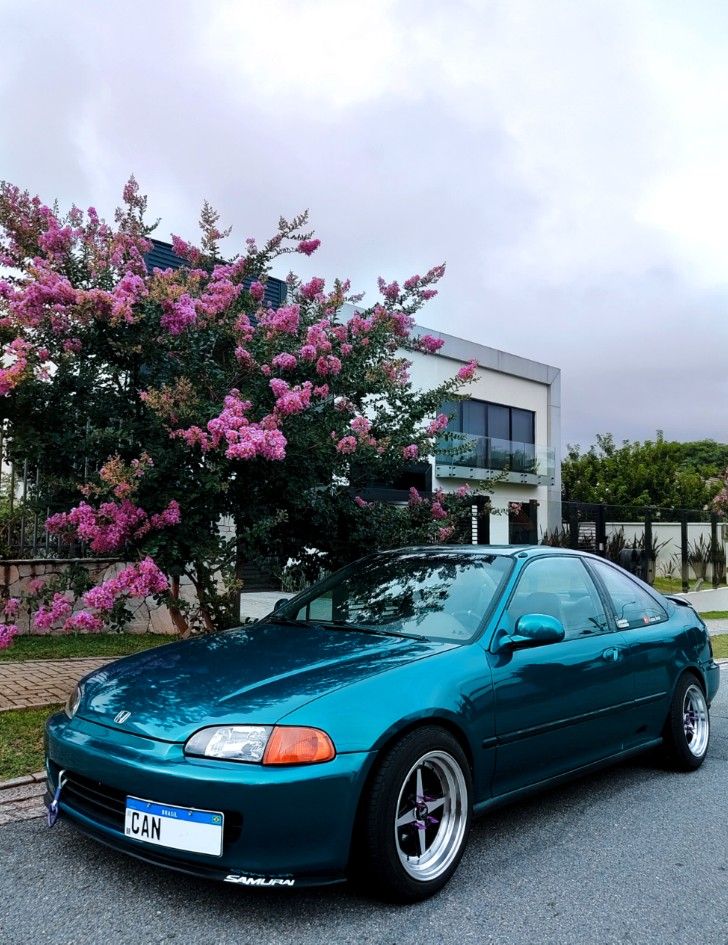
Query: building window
{"type": "Point", "coordinates": [497, 421]}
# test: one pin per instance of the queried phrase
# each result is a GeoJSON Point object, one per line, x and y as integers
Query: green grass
{"type": "Point", "coordinates": [715, 615]}
{"type": "Point", "coordinates": [720, 646]}
{"type": "Point", "coordinates": [21, 741]}
{"type": "Point", "coordinates": [82, 644]}
{"type": "Point", "coordinates": [674, 585]}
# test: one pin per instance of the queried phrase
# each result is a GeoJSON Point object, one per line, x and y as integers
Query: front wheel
{"type": "Point", "coordinates": [687, 730]}
{"type": "Point", "coordinates": [416, 816]}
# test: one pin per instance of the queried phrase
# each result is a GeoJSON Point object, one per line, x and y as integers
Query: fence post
{"type": "Point", "coordinates": [573, 527]}
{"type": "Point", "coordinates": [714, 546]}
{"type": "Point", "coordinates": [601, 529]}
{"type": "Point", "coordinates": [684, 551]}
{"type": "Point", "coordinates": [533, 522]}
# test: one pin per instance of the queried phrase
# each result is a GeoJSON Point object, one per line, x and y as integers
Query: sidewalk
{"type": "Point", "coordinates": [42, 682]}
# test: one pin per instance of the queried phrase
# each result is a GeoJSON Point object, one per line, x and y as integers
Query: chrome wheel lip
{"type": "Point", "coordinates": [696, 721]}
{"type": "Point", "coordinates": [450, 835]}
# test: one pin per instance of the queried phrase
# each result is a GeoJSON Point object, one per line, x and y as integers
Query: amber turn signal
{"type": "Point", "coordinates": [296, 745]}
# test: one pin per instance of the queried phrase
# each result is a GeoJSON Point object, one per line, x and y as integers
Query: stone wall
{"type": "Point", "coordinates": [15, 576]}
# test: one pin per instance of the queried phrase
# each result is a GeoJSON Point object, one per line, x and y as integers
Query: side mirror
{"type": "Point", "coordinates": [535, 630]}
{"type": "Point", "coordinates": [279, 603]}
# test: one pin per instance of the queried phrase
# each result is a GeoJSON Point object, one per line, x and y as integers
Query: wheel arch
{"type": "Point", "coordinates": [389, 739]}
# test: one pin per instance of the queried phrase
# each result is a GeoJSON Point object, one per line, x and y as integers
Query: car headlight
{"type": "Point", "coordinates": [262, 744]}
{"type": "Point", "coordinates": [74, 701]}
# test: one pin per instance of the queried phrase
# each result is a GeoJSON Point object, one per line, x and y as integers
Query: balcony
{"type": "Point", "coordinates": [467, 456]}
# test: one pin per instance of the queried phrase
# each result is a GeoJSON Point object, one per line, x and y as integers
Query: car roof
{"type": "Point", "coordinates": [511, 551]}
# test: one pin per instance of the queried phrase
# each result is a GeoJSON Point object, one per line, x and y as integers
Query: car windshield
{"type": "Point", "coordinates": [438, 595]}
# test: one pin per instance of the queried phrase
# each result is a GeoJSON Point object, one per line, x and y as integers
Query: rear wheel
{"type": "Point", "coordinates": [687, 730]}
{"type": "Point", "coordinates": [416, 816]}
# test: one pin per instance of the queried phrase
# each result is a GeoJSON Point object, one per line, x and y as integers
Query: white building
{"type": "Point", "coordinates": [511, 434]}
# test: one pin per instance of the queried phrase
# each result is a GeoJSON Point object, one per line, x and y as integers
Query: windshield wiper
{"type": "Point", "coordinates": [360, 628]}
{"type": "Point", "coordinates": [342, 625]}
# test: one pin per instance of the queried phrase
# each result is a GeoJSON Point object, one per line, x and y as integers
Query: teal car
{"type": "Point", "coordinates": [356, 730]}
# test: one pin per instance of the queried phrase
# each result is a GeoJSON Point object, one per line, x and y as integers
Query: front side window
{"type": "Point", "coordinates": [561, 588]}
{"type": "Point", "coordinates": [441, 596]}
{"type": "Point", "coordinates": [633, 607]}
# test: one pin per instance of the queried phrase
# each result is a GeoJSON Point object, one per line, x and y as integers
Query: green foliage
{"type": "Point", "coordinates": [657, 472]}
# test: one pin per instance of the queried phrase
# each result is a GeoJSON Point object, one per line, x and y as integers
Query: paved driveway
{"type": "Point", "coordinates": [633, 855]}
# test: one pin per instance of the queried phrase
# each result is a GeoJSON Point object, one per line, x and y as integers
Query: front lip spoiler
{"type": "Point", "coordinates": [220, 874]}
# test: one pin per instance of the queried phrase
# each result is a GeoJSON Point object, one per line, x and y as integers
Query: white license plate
{"type": "Point", "coordinates": [181, 828]}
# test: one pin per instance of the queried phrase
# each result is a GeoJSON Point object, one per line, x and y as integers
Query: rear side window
{"type": "Point", "coordinates": [632, 607]}
{"type": "Point", "coordinates": [561, 588]}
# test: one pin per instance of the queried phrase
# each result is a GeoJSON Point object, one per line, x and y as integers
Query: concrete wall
{"type": "Point", "coordinates": [670, 532]}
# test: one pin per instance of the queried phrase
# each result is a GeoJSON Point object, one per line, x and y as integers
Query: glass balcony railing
{"type": "Point", "coordinates": [486, 452]}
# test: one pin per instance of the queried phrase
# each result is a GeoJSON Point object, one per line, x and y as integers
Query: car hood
{"type": "Point", "coordinates": [255, 674]}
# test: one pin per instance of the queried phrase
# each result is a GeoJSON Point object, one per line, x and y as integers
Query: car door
{"type": "Point", "coordinates": [563, 705]}
{"type": "Point", "coordinates": [652, 646]}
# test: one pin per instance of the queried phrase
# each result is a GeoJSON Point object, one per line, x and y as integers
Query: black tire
{"type": "Point", "coordinates": [687, 729]}
{"type": "Point", "coordinates": [381, 848]}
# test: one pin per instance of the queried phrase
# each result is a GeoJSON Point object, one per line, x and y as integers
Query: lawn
{"type": "Point", "coordinates": [715, 615]}
{"type": "Point", "coordinates": [21, 740]}
{"type": "Point", "coordinates": [720, 645]}
{"type": "Point", "coordinates": [673, 585]}
{"type": "Point", "coordinates": [82, 644]}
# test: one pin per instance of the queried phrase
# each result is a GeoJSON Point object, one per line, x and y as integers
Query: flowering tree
{"type": "Point", "coordinates": [177, 397]}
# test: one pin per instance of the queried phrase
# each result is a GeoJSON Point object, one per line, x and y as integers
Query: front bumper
{"type": "Point", "coordinates": [290, 822]}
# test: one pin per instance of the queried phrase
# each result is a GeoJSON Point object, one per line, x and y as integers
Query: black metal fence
{"type": "Point", "coordinates": [592, 527]}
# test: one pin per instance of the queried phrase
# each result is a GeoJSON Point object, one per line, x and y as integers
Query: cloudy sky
{"type": "Point", "coordinates": [569, 161]}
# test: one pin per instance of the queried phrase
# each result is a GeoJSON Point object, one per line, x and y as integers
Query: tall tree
{"type": "Point", "coordinates": [177, 398]}
{"type": "Point", "coordinates": [656, 472]}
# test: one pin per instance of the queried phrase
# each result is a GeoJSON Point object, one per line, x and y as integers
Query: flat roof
{"type": "Point", "coordinates": [463, 350]}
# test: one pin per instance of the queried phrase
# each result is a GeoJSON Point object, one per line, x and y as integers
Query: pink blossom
{"type": "Point", "coordinates": [35, 585]}
{"type": "Point", "coordinates": [411, 452]}
{"type": "Point", "coordinates": [362, 503]}
{"type": "Point", "coordinates": [284, 320]}
{"type": "Point", "coordinates": [8, 632]}
{"type": "Point", "coordinates": [257, 290]}
{"type": "Point", "coordinates": [84, 620]}
{"type": "Point", "coordinates": [312, 289]}
{"type": "Point", "coordinates": [72, 345]}
{"type": "Point", "coordinates": [467, 371]}
{"type": "Point", "coordinates": [47, 615]}
{"type": "Point", "coordinates": [12, 606]}
{"type": "Point", "coordinates": [186, 250]}
{"type": "Point", "coordinates": [178, 315]}
{"type": "Point", "coordinates": [414, 496]}
{"type": "Point", "coordinates": [346, 444]}
{"type": "Point", "coordinates": [445, 533]}
{"type": "Point", "coordinates": [321, 391]}
{"type": "Point", "coordinates": [328, 364]}
{"type": "Point", "coordinates": [437, 511]}
{"type": "Point", "coordinates": [308, 246]}
{"type": "Point", "coordinates": [136, 580]}
{"type": "Point", "coordinates": [308, 353]}
{"type": "Point", "coordinates": [108, 528]}
{"type": "Point", "coordinates": [244, 357]}
{"type": "Point", "coordinates": [361, 425]}
{"type": "Point", "coordinates": [438, 424]}
{"type": "Point", "coordinates": [389, 291]}
{"type": "Point", "coordinates": [462, 491]}
{"type": "Point", "coordinates": [284, 361]}
{"type": "Point", "coordinates": [346, 349]}
{"type": "Point", "coordinates": [430, 343]}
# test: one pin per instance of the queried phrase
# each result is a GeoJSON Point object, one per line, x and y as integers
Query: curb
{"type": "Point", "coordinates": [23, 779]}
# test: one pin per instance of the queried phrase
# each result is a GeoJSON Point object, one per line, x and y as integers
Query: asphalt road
{"type": "Point", "coordinates": [632, 855]}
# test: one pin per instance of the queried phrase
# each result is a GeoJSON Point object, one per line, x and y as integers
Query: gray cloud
{"type": "Point", "coordinates": [538, 148]}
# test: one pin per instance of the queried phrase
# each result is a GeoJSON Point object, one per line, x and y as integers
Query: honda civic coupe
{"type": "Point", "coordinates": [357, 729]}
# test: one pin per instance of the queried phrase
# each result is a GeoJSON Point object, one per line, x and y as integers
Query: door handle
{"type": "Point", "coordinates": [611, 654]}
